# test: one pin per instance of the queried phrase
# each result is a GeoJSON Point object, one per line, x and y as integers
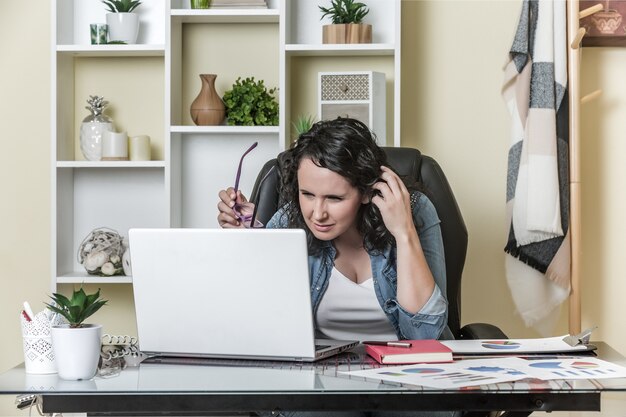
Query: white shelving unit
{"type": "Point", "coordinates": [179, 188]}
{"type": "Point", "coordinates": [301, 36]}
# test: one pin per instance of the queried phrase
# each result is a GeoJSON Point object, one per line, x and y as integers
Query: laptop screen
{"type": "Point", "coordinates": [218, 292]}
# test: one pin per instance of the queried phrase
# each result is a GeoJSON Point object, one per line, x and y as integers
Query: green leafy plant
{"type": "Point", "coordinates": [345, 11]}
{"type": "Point", "coordinates": [121, 6]}
{"type": "Point", "coordinates": [250, 103]}
{"type": "Point", "coordinates": [77, 308]}
{"type": "Point", "coordinates": [303, 124]}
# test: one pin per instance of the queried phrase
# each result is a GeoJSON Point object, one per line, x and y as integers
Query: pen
{"type": "Point", "coordinates": [28, 311]}
{"type": "Point", "coordinates": [398, 343]}
{"type": "Point", "coordinates": [25, 316]}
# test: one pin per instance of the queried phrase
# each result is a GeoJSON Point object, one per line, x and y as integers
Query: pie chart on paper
{"type": "Point", "coordinates": [547, 365]}
{"type": "Point", "coordinates": [501, 345]}
{"type": "Point", "coordinates": [583, 365]}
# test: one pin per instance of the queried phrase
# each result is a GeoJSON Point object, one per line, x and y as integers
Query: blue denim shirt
{"type": "Point", "coordinates": [428, 323]}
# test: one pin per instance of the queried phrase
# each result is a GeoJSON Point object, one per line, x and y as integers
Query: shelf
{"type": "Point", "coordinates": [369, 49]}
{"type": "Point", "coordinates": [112, 50]}
{"type": "Point", "coordinates": [110, 164]}
{"type": "Point", "coordinates": [234, 130]}
{"type": "Point", "coordinates": [280, 45]}
{"type": "Point", "coordinates": [85, 278]}
{"type": "Point", "coordinates": [226, 16]}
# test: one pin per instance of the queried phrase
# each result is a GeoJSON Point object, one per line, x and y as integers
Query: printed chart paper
{"type": "Point", "coordinates": [470, 372]}
{"type": "Point", "coordinates": [573, 368]}
{"type": "Point", "coordinates": [451, 375]}
{"type": "Point", "coordinates": [512, 346]}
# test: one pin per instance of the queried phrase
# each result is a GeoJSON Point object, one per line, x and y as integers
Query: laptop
{"type": "Point", "coordinates": [218, 293]}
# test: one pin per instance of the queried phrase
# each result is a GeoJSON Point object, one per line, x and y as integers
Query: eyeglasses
{"type": "Point", "coordinates": [244, 213]}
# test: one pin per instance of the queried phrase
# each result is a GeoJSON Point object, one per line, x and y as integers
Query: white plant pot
{"type": "Point", "coordinates": [123, 27]}
{"type": "Point", "coordinates": [77, 350]}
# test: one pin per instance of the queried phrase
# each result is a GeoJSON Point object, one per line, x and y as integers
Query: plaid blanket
{"type": "Point", "coordinates": [535, 90]}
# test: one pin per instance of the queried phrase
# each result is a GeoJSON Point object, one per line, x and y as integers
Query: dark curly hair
{"type": "Point", "coordinates": [347, 147]}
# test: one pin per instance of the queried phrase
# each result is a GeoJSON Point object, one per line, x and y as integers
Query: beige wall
{"type": "Point", "coordinates": [453, 111]}
{"type": "Point", "coordinates": [453, 52]}
{"type": "Point", "coordinates": [24, 169]}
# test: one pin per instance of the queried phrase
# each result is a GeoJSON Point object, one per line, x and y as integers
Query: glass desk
{"type": "Point", "coordinates": [227, 386]}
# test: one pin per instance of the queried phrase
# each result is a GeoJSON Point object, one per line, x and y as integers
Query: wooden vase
{"type": "Point", "coordinates": [347, 33]}
{"type": "Point", "coordinates": [208, 108]}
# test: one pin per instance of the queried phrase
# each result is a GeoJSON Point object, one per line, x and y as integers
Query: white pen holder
{"type": "Point", "coordinates": [37, 339]}
{"type": "Point", "coordinates": [115, 146]}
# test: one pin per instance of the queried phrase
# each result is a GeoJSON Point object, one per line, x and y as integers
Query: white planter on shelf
{"type": "Point", "coordinates": [123, 27]}
{"type": "Point", "coordinates": [77, 350]}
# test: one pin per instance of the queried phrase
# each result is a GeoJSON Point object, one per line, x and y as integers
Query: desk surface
{"type": "Point", "coordinates": [225, 385]}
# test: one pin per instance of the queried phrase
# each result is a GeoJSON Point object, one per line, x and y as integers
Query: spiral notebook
{"type": "Point", "coordinates": [216, 293]}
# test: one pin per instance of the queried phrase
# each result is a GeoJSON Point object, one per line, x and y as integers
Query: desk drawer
{"type": "Point", "coordinates": [345, 87]}
{"type": "Point", "coordinates": [354, 111]}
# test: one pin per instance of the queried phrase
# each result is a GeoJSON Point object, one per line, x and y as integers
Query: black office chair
{"type": "Point", "coordinates": [410, 162]}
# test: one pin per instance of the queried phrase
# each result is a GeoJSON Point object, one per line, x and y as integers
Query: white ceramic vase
{"type": "Point", "coordinates": [77, 350]}
{"type": "Point", "coordinates": [123, 27]}
{"type": "Point", "coordinates": [91, 137]}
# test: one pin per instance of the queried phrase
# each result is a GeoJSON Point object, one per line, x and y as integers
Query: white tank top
{"type": "Point", "coordinates": [351, 311]}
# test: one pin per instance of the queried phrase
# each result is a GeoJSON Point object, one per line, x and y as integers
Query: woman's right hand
{"type": "Point", "coordinates": [226, 216]}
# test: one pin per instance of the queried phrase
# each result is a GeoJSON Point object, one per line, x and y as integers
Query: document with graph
{"type": "Point", "coordinates": [472, 372]}
{"type": "Point", "coordinates": [572, 368]}
{"type": "Point", "coordinates": [457, 374]}
{"type": "Point", "coordinates": [514, 346]}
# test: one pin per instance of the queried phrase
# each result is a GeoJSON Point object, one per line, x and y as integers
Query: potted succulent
{"type": "Point", "coordinates": [123, 23]}
{"type": "Point", "coordinates": [250, 103]}
{"type": "Point", "coordinates": [200, 4]}
{"type": "Point", "coordinates": [347, 22]}
{"type": "Point", "coordinates": [303, 124]}
{"type": "Point", "coordinates": [76, 345]}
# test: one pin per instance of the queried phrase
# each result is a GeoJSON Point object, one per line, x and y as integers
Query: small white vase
{"type": "Point", "coordinates": [91, 137]}
{"type": "Point", "coordinates": [77, 350]}
{"type": "Point", "coordinates": [123, 27]}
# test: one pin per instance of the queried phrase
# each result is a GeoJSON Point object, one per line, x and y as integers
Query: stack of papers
{"type": "Point", "coordinates": [471, 372]}
{"type": "Point", "coordinates": [514, 346]}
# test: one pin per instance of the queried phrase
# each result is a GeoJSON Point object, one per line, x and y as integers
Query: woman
{"type": "Point", "coordinates": [376, 254]}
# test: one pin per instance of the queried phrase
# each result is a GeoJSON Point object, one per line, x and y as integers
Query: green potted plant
{"type": "Point", "coordinates": [303, 124]}
{"type": "Point", "coordinates": [123, 23]}
{"type": "Point", "coordinates": [250, 103]}
{"type": "Point", "coordinates": [200, 4]}
{"type": "Point", "coordinates": [76, 345]}
{"type": "Point", "coordinates": [347, 22]}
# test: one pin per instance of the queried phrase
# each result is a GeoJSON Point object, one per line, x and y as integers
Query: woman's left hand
{"type": "Point", "coordinates": [394, 203]}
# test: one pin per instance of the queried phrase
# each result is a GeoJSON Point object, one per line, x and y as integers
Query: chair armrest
{"type": "Point", "coordinates": [481, 331]}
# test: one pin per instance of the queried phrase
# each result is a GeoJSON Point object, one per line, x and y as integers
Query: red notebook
{"type": "Point", "coordinates": [421, 351]}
